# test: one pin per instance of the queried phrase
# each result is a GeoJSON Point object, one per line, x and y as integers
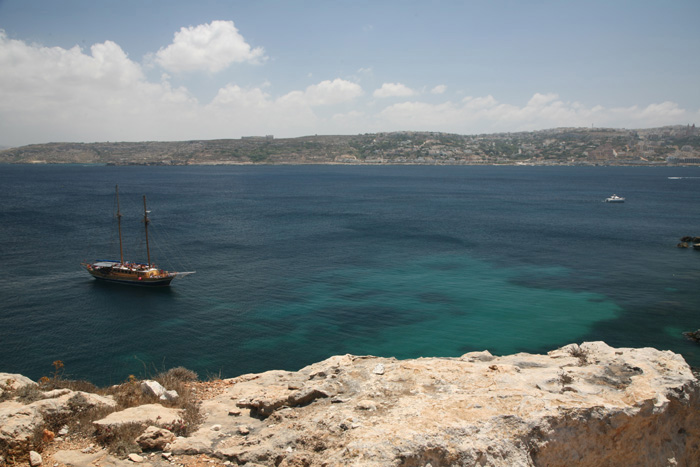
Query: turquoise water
{"type": "Point", "coordinates": [295, 264]}
{"type": "Point", "coordinates": [437, 306]}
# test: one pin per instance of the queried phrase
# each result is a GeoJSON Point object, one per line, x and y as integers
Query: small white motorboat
{"type": "Point", "coordinates": [615, 199]}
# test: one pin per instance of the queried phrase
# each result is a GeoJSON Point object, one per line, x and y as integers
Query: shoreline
{"type": "Point", "coordinates": [351, 164]}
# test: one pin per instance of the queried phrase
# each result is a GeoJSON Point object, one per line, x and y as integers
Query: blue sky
{"type": "Point", "coordinates": [108, 70]}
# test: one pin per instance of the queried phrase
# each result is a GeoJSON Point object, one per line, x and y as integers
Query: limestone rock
{"type": "Point", "coordinates": [274, 396]}
{"type": "Point", "coordinates": [13, 381]}
{"type": "Point", "coordinates": [583, 405]}
{"type": "Point", "coordinates": [154, 388]}
{"type": "Point", "coordinates": [148, 413]}
{"type": "Point", "coordinates": [155, 438]}
{"type": "Point", "coordinates": [88, 459]}
{"type": "Point", "coordinates": [693, 335]}
{"type": "Point", "coordinates": [35, 459]}
{"type": "Point", "coordinates": [19, 422]}
{"type": "Point", "coordinates": [579, 405]}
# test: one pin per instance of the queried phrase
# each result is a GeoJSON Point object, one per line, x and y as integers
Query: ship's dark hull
{"type": "Point", "coordinates": [111, 271]}
{"type": "Point", "coordinates": [140, 283]}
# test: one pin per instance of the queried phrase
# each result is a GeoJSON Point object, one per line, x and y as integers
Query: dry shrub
{"type": "Point", "coordinates": [120, 439]}
{"type": "Point", "coordinates": [190, 420]}
{"type": "Point", "coordinates": [577, 352]}
{"type": "Point", "coordinates": [7, 392]}
{"type": "Point", "coordinates": [17, 453]}
{"type": "Point", "coordinates": [78, 385]}
{"type": "Point", "coordinates": [130, 394]}
{"type": "Point", "coordinates": [180, 374]}
{"type": "Point", "coordinates": [180, 379]}
{"type": "Point", "coordinates": [28, 394]}
{"type": "Point", "coordinates": [565, 379]}
{"type": "Point", "coordinates": [80, 418]}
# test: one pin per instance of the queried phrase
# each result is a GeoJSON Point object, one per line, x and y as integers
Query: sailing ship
{"type": "Point", "coordinates": [132, 273]}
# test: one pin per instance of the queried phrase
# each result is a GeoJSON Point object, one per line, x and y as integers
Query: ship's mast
{"type": "Point", "coordinates": [119, 228]}
{"type": "Point", "coordinates": [145, 223]}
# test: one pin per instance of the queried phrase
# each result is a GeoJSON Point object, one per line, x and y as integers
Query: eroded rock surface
{"type": "Point", "coordinates": [13, 381]}
{"type": "Point", "coordinates": [147, 413]}
{"type": "Point", "coordinates": [19, 421]}
{"type": "Point", "coordinates": [155, 438]}
{"type": "Point", "coordinates": [587, 405]}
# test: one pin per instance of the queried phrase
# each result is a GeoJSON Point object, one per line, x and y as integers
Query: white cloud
{"type": "Point", "coordinates": [486, 114]}
{"type": "Point", "coordinates": [325, 93]}
{"type": "Point", "coordinates": [475, 103]}
{"type": "Point", "coordinates": [100, 94]}
{"type": "Point", "coordinates": [332, 92]}
{"type": "Point", "coordinates": [236, 111]}
{"type": "Point", "coordinates": [211, 47]}
{"type": "Point", "coordinates": [665, 110]}
{"type": "Point", "coordinates": [56, 94]}
{"type": "Point", "coordinates": [439, 89]}
{"type": "Point", "coordinates": [541, 100]}
{"type": "Point", "coordinates": [235, 96]}
{"type": "Point", "coordinates": [394, 90]}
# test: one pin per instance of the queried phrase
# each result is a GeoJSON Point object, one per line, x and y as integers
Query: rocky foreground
{"type": "Point", "coordinates": [579, 405]}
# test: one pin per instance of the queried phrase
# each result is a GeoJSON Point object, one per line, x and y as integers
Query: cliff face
{"type": "Point", "coordinates": [579, 405]}
{"type": "Point", "coordinates": [588, 405]}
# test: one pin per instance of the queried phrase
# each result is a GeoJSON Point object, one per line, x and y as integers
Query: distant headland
{"type": "Point", "coordinates": [669, 145]}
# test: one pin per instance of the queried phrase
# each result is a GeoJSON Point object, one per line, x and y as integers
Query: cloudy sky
{"type": "Point", "coordinates": [136, 70]}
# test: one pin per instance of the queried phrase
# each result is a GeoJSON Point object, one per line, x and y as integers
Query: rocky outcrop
{"type": "Point", "coordinates": [155, 389]}
{"type": "Point", "coordinates": [147, 413]}
{"type": "Point", "coordinates": [693, 335]}
{"type": "Point", "coordinates": [578, 405]}
{"type": "Point", "coordinates": [155, 438]}
{"type": "Point", "coordinates": [10, 382]}
{"type": "Point", "coordinates": [20, 419]}
{"type": "Point", "coordinates": [587, 405]}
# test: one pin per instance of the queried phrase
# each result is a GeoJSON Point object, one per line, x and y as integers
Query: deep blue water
{"type": "Point", "coordinates": [298, 263]}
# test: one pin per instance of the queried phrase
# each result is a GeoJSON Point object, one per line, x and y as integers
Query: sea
{"type": "Point", "coordinates": [295, 264]}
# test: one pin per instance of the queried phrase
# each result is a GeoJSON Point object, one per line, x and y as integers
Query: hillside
{"type": "Point", "coordinates": [602, 146]}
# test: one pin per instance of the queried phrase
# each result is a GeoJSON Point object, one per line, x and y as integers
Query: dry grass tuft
{"type": "Point", "coordinates": [582, 355]}
{"type": "Point", "coordinates": [121, 439]}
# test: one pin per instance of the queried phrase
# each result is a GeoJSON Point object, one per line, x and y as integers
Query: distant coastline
{"type": "Point", "coordinates": [672, 145]}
